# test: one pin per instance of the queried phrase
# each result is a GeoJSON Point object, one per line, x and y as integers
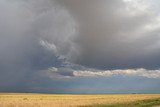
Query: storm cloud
{"type": "Point", "coordinates": [118, 33]}
{"type": "Point", "coordinates": [25, 26]}
{"type": "Point", "coordinates": [49, 42]}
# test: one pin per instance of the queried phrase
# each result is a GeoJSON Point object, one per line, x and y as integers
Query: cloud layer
{"type": "Point", "coordinates": [117, 34]}
{"type": "Point", "coordinates": [68, 72]}
{"type": "Point", "coordinates": [125, 72]}
{"type": "Point", "coordinates": [48, 41]}
{"type": "Point", "coordinates": [28, 29]}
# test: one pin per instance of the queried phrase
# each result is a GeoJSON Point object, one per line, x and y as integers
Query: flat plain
{"type": "Point", "coordinates": [78, 100]}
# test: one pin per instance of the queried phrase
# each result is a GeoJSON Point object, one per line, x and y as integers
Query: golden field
{"type": "Point", "coordinates": [68, 100]}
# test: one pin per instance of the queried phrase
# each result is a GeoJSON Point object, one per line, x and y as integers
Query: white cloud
{"type": "Point", "coordinates": [126, 72]}
{"type": "Point", "coordinates": [135, 7]}
{"type": "Point", "coordinates": [69, 72]}
{"type": "Point", "coordinates": [53, 69]}
{"type": "Point", "coordinates": [49, 46]}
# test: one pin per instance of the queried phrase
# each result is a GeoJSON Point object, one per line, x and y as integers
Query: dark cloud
{"type": "Point", "coordinates": [116, 34]}
{"type": "Point", "coordinates": [51, 44]}
{"type": "Point", "coordinates": [23, 25]}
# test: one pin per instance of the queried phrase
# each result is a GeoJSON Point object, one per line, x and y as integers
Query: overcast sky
{"type": "Point", "coordinates": [80, 46]}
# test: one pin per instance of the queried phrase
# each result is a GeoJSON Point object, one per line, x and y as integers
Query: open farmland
{"type": "Point", "coordinates": [69, 100]}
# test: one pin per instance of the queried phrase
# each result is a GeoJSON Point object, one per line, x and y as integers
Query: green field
{"type": "Point", "coordinates": [140, 103]}
{"type": "Point", "coordinates": [77, 100]}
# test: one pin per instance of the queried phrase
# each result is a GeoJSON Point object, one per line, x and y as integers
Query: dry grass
{"type": "Point", "coordinates": [67, 100]}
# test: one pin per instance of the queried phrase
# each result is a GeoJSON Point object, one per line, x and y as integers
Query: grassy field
{"type": "Point", "coordinates": [69, 100]}
{"type": "Point", "coordinates": [139, 103]}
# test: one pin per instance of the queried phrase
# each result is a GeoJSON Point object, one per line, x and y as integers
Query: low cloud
{"type": "Point", "coordinates": [66, 72]}
{"type": "Point", "coordinates": [126, 72]}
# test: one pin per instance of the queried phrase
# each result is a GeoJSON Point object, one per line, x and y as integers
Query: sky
{"type": "Point", "coordinates": [80, 46]}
